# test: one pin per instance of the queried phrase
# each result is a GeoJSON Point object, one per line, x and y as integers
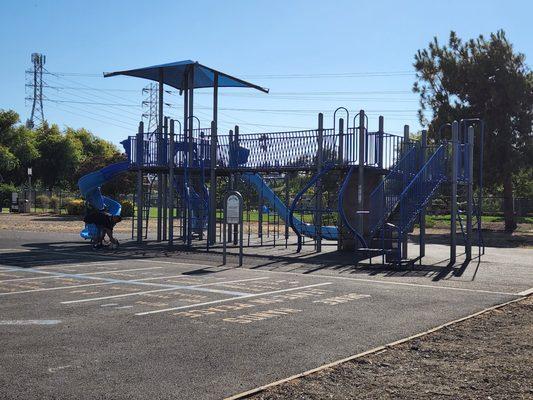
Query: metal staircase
{"type": "Point", "coordinates": [403, 194]}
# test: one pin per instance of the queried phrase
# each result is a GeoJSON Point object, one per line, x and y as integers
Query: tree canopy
{"type": "Point", "coordinates": [58, 157]}
{"type": "Point", "coordinates": [482, 78]}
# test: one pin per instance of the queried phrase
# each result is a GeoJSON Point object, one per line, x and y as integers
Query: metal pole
{"type": "Point", "coordinates": [361, 172]}
{"type": "Point", "coordinates": [318, 211]}
{"type": "Point", "coordinates": [406, 177]}
{"type": "Point", "coordinates": [164, 203]}
{"type": "Point", "coordinates": [470, 192]}
{"type": "Point", "coordinates": [240, 235]}
{"type": "Point", "coordinates": [213, 156]}
{"type": "Point", "coordinates": [159, 140]}
{"type": "Point", "coordinates": [287, 206]}
{"type": "Point", "coordinates": [186, 161]}
{"type": "Point", "coordinates": [380, 141]}
{"type": "Point", "coordinates": [232, 162]}
{"type": "Point", "coordinates": [236, 141]}
{"type": "Point", "coordinates": [341, 141]}
{"type": "Point", "coordinates": [213, 185]}
{"type": "Point", "coordinates": [422, 222]}
{"type": "Point", "coordinates": [139, 162]}
{"type": "Point", "coordinates": [341, 162]}
{"type": "Point", "coordinates": [224, 245]}
{"type": "Point", "coordinates": [171, 185]}
{"type": "Point", "coordinates": [453, 200]}
{"type": "Point", "coordinates": [190, 151]}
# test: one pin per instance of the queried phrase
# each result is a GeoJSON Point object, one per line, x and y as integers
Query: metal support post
{"type": "Point", "coordinates": [212, 233]}
{"type": "Point", "coordinates": [453, 200]}
{"type": "Point", "coordinates": [191, 154]}
{"type": "Point", "coordinates": [405, 237]}
{"type": "Point", "coordinates": [381, 128]}
{"type": "Point", "coordinates": [232, 162]}
{"type": "Point", "coordinates": [470, 191]}
{"type": "Point", "coordinates": [287, 206]}
{"type": "Point", "coordinates": [361, 172]}
{"type": "Point", "coordinates": [341, 161]}
{"type": "Point", "coordinates": [159, 138]}
{"type": "Point", "coordinates": [164, 203]}
{"type": "Point", "coordinates": [319, 161]}
{"type": "Point", "coordinates": [422, 222]}
{"type": "Point", "coordinates": [140, 195]}
{"type": "Point", "coordinates": [171, 185]}
{"type": "Point", "coordinates": [236, 141]}
{"type": "Point", "coordinates": [341, 141]}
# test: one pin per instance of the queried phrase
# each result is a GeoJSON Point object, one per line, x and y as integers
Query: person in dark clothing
{"type": "Point", "coordinates": [105, 222]}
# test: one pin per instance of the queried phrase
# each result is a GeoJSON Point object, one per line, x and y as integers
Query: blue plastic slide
{"type": "Point", "coordinates": [90, 185]}
{"type": "Point", "coordinates": [309, 230]}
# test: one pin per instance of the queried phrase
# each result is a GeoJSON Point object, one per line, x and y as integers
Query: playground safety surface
{"type": "Point", "coordinates": [127, 324]}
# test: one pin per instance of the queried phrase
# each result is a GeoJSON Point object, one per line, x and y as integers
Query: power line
{"type": "Point", "coordinates": [95, 119]}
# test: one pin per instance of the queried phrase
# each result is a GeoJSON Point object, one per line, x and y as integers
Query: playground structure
{"type": "Point", "coordinates": [360, 190]}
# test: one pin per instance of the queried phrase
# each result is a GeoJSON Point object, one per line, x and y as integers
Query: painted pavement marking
{"type": "Point", "coordinates": [30, 322]}
{"type": "Point", "coordinates": [109, 281]}
{"type": "Point", "coordinates": [233, 299]}
{"type": "Point", "coordinates": [154, 291]}
{"type": "Point", "coordinates": [86, 273]}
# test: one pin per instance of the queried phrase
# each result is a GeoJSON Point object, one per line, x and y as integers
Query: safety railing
{"type": "Point", "coordinates": [271, 150]}
{"type": "Point", "coordinates": [386, 196]}
{"type": "Point", "coordinates": [422, 187]}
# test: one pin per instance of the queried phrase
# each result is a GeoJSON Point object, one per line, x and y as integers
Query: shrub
{"type": "Point", "coordinates": [55, 203]}
{"type": "Point", "coordinates": [42, 201]}
{"type": "Point", "coordinates": [127, 208]}
{"type": "Point", "coordinates": [75, 207]}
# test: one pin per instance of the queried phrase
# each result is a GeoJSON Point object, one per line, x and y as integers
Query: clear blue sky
{"type": "Point", "coordinates": [249, 39]}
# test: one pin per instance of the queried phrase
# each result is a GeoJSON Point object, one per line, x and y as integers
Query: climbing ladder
{"type": "Point", "coordinates": [148, 183]}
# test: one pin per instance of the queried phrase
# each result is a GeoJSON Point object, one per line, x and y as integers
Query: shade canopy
{"type": "Point", "coordinates": [176, 75]}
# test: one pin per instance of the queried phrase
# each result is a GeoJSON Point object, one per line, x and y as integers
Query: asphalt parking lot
{"type": "Point", "coordinates": [79, 325]}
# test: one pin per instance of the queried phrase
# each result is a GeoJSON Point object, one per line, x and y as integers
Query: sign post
{"type": "Point", "coordinates": [232, 216]}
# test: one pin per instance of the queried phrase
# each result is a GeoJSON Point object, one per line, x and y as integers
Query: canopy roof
{"type": "Point", "coordinates": [175, 74]}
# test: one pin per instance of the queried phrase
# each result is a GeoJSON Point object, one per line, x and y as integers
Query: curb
{"type": "Point", "coordinates": [260, 389]}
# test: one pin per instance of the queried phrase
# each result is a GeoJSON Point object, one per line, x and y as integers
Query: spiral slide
{"type": "Point", "coordinates": [90, 185]}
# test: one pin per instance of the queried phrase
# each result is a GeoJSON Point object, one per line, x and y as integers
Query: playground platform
{"type": "Point", "coordinates": [144, 322]}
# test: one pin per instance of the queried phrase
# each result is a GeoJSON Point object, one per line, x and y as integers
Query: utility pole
{"type": "Point", "coordinates": [36, 83]}
{"type": "Point", "coordinates": [150, 106]}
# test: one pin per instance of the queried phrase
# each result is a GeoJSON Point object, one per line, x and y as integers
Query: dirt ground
{"type": "Point", "coordinates": [523, 237]}
{"type": "Point", "coordinates": [486, 357]}
{"type": "Point", "coordinates": [50, 223]}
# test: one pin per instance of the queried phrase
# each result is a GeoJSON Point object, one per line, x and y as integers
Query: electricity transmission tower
{"type": "Point", "coordinates": [150, 106]}
{"type": "Point", "coordinates": [36, 83]}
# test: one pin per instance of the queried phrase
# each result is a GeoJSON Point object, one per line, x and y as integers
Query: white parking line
{"type": "Point", "coordinates": [154, 291]}
{"type": "Point", "coordinates": [171, 262]}
{"type": "Point", "coordinates": [117, 296]}
{"type": "Point", "coordinates": [56, 288]}
{"type": "Point", "coordinates": [526, 292]}
{"type": "Point", "coordinates": [88, 264]}
{"type": "Point", "coordinates": [116, 281]}
{"type": "Point", "coordinates": [86, 273]}
{"type": "Point", "coordinates": [232, 299]}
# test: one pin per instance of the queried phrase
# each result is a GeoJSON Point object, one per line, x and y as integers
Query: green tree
{"type": "Point", "coordinates": [59, 158]}
{"type": "Point", "coordinates": [18, 147]}
{"type": "Point", "coordinates": [482, 78]}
